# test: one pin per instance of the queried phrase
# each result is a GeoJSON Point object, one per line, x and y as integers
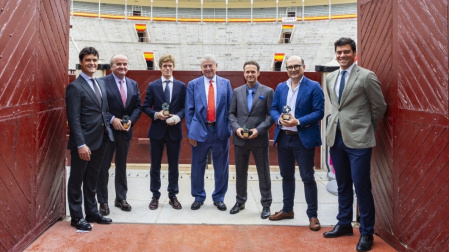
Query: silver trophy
{"type": "Point", "coordinates": [165, 109]}
{"type": "Point", "coordinates": [125, 121]}
{"type": "Point", "coordinates": [286, 113]}
{"type": "Point", "coordinates": [246, 131]}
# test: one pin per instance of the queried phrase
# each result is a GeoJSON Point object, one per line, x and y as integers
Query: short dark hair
{"type": "Point", "coordinates": [345, 41]}
{"type": "Point", "coordinates": [252, 62]}
{"type": "Point", "coordinates": [88, 51]}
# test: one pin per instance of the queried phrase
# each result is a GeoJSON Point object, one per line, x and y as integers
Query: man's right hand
{"type": "Point", "coordinates": [160, 115]}
{"type": "Point", "coordinates": [84, 153]}
{"type": "Point", "coordinates": [192, 142]}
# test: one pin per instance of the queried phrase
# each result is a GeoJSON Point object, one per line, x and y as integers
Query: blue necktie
{"type": "Point", "coordinates": [167, 92]}
{"type": "Point", "coordinates": [342, 85]}
{"type": "Point", "coordinates": [96, 90]}
{"type": "Point", "coordinates": [249, 99]}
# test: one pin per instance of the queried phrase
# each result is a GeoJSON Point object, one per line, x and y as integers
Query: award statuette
{"type": "Point", "coordinates": [285, 113]}
{"type": "Point", "coordinates": [165, 107]}
{"type": "Point", "coordinates": [125, 121]}
{"type": "Point", "coordinates": [245, 131]}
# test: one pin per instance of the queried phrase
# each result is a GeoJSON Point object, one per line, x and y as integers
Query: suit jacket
{"type": "Point", "coordinates": [361, 107]}
{"type": "Point", "coordinates": [196, 109]}
{"type": "Point", "coordinates": [309, 110]}
{"type": "Point", "coordinates": [85, 115]}
{"type": "Point", "coordinates": [154, 99]}
{"type": "Point", "coordinates": [259, 116]}
{"type": "Point", "coordinates": [133, 106]}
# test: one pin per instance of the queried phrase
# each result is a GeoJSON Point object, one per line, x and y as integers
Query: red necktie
{"type": "Point", "coordinates": [211, 103]}
{"type": "Point", "coordinates": [122, 92]}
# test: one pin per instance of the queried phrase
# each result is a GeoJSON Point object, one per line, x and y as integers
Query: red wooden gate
{"type": "Point", "coordinates": [405, 42]}
{"type": "Point", "coordinates": [33, 54]}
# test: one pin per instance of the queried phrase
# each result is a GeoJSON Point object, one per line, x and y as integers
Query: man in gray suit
{"type": "Point", "coordinates": [249, 116]}
{"type": "Point", "coordinates": [357, 107]}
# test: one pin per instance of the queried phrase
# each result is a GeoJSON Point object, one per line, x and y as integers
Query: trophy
{"type": "Point", "coordinates": [286, 113]}
{"type": "Point", "coordinates": [246, 132]}
{"type": "Point", "coordinates": [125, 121]}
{"type": "Point", "coordinates": [165, 107]}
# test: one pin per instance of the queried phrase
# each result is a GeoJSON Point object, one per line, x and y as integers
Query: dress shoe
{"type": "Point", "coordinates": [314, 224]}
{"type": "Point", "coordinates": [104, 209]}
{"type": "Point", "coordinates": [175, 203]}
{"type": "Point", "coordinates": [265, 213]}
{"type": "Point", "coordinates": [196, 205]}
{"type": "Point", "coordinates": [220, 205]}
{"type": "Point", "coordinates": [123, 204]}
{"type": "Point", "coordinates": [98, 218]}
{"type": "Point", "coordinates": [80, 224]}
{"type": "Point", "coordinates": [339, 231]}
{"type": "Point", "coordinates": [154, 204]}
{"type": "Point", "coordinates": [237, 207]}
{"type": "Point", "coordinates": [365, 243]}
{"type": "Point", "coordinates": [281, 215]}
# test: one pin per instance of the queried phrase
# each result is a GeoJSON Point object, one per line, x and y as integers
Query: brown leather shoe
{"type": "Point", "coordinates": [175, 203]}
{"type": "Point", "coordinates": [154, 204]}
{"type": "Point", "coordinates": [281, 215]}
{"type": "Point", "coordinates": [314, 224]}
{"type": "Point", "coordinates": [104, 209]}
{"type": "Point", "coordinates": [123, 204]}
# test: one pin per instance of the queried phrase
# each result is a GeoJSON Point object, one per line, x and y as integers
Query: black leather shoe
{"type": "Point", "coordinates": [220, 205]}
{"type": "Point", "coordinates": [104, 209]}
{"type": "Point", "coordinates": [196, 205]}
{"type": "Point", "coordinates": [338, 231]}
{"type": "Point", "coordinates": [365, 243]}
{"type": "Point", "coordinates": [237, 207]}
{"type": "Point", "coordinates": [265, 213]}
{"type": "Point", "coordinates": [100, 219]}
{"type": "Point", "coordinates": [123, 204]}
{"type": "Point", "coordinates": [80, 224]}
{"type": "Point", "coordinates": [154, 204]}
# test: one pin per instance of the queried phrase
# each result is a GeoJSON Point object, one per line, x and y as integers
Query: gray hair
{"type": "Point", "coordinates": [116, 56]}
{"type": "Point", "coordinates": [208, 57]}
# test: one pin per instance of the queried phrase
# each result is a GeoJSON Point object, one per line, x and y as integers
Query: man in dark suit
{"type": "Point", "coordinates": [297, 134]}
{"type": "Point", "coordinates": [249, 116]}
{"type": "Point", "coordinates": [86, 108]}
{"type": "Point", "coordinates": [207, 106]}
{"type": "Point", "coordinates": [165, 129]}
{"type": "Point", "coordinates": [123, 100]}
{"type": "Point", "coordinates": [357, 107]}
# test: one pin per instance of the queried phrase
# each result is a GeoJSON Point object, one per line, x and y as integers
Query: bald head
{"type": "Point", "coordinates": [119, 65]}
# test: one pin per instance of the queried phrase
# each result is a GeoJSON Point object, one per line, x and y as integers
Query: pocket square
{"type": "Point", "coordinates": [261, 97]}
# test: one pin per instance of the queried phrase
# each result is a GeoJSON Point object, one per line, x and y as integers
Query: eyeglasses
{"type": "Point", "coordinates": [296, 67]}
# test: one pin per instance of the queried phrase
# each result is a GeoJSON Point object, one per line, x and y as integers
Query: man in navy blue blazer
{"type": "Point", "coordinates": [124, 100]}
{"type": "Point", "coordinates": [297, 134]}
{"type": "Point", "coordinates": [207, 105]}
{"type": "Point", "coordinates": [165, 129]}
{"type": "Point", "coordinates": [86, 108]}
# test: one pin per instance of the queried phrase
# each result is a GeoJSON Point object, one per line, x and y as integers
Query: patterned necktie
{"type": "Point", "coordinates": [167, 91]}
{"type": "Point", "coordinates": [97, 91]}
{"type": "Point", "coordinates": [211, 103]}
{"type": "Point", "coordinates": [342, 85]}
{"type": "Point", "coordinates": [249, 99]}
{"type": "Point", "coordinates": [122, 92]}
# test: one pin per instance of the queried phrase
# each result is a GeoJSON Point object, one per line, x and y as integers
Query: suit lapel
{"type": "Point", "coordinates": [202, 91]}
{"type": "Point", "coordinates": [243, 97]}
{"type": "Point", "coordinates": [302, 86]}
{"type": "Point", "coordinates": [351, 81]}
{"type": "Point", "coordinates": [219, 90]}
{"type": "Point", "coordinates": [331, 86]}
{"type": "Point", "coordinates": [89, 90]}
{"type": "Point", "coordinates": [284, 96]}
{"type": "Point", "coordinates": [129, 91]}
{"type": "Point", "coordinates": [103, 93]}
{"type": "Point", "coordinates": [174, 91]}
{"type": "Point", "coordinates": [257, 95]}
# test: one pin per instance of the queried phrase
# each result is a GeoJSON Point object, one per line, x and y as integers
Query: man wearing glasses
{"type": "Point", "coordinates": [298, 107]}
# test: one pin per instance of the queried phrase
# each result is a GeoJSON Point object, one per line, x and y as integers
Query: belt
{"type": "Point", "coordinates": [290, 133]}
{"type": "Point", "coordinates": [210, 124]}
